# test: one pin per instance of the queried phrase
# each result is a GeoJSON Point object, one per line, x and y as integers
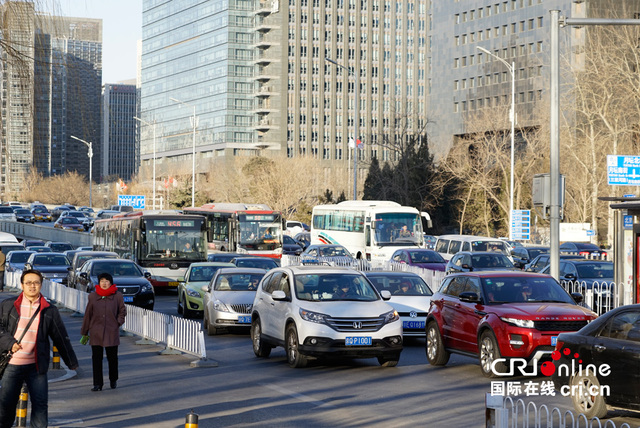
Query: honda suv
{"type": "Point", "coordinates": [496, 316]}
{"type": "Point", "coordinates": [320, 311]}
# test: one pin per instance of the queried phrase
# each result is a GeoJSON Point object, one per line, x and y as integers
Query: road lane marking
{"type": "Point", "coordinates": [297, 396]}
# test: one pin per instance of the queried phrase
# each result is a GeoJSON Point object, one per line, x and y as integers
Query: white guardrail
{"type": "Point", "coordinates": [175, 333]}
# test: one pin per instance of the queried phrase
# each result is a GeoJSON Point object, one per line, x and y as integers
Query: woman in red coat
{"type": "Point", "coordinates": [103, 317]}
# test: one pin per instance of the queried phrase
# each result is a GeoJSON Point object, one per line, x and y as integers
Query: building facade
{"type": "Point", "coordinates": [121, 155]}
{"type": "Point", "coordinates": [54, 93]}
{"type": "Point", "coordinates": [258, 76]}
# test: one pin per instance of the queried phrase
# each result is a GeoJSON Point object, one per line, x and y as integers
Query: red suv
{"type": "Point", "coordinates": [492, 315]}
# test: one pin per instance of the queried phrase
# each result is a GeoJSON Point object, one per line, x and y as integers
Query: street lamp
{"type": "Point", "coordinates": [356, 125]}
{"type": "Point", "coordinates": [512, 116]}
{"type": "Point", "coordinates": [154, 155]}
{"type": "Point", "coordinates": [90, 154]}
{"type": "Point", "coordinates": [194, 122]}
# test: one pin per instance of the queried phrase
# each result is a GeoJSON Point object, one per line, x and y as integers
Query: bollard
{"type": "Point", "coordinates": [191, 420]}
{"type": "Point", "coordinates": [56, 359]}
{"type": "Point", "coordinates": [21, 410]}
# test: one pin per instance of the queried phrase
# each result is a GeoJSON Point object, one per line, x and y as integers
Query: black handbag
{"type": "Point", "coordinates": [5, 356]}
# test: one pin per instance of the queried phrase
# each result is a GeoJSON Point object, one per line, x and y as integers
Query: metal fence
{"type": "Point", "coordinates": [175, 333]}
{"type": "Point", "coordinates": [505, 412]}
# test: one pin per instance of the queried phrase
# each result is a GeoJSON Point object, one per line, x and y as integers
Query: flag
{"type": "Point", "coordinates": [121, 186]}
{"type": "Point", "coordinates": [359, 143]}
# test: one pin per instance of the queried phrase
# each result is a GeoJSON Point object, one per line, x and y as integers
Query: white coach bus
{"type": "Point", "coordinates": [370, 230]}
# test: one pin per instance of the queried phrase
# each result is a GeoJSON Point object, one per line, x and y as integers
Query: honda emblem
{"type": "Point", "coordinates": [357, 325]}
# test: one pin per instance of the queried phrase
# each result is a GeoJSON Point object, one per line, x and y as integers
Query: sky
{"type": "Point", "coordinates": [121, 30]}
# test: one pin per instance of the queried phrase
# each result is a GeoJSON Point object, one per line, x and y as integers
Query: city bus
{"type": "Point", "coordinates": [164, 243]}
{"type": "Point", "coordinates": [252, 229]}
{"type": "Point", "coordinates": [370, 230]}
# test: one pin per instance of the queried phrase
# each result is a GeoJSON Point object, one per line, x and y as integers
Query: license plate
{"type": "Point", "coordinates": [412, 324]}
{"type": "Point", "coordinates": [128, 298]}
{"type": "Point", "coordinates": [358, 341]}
{"type": "Point", "coordinates": [554, 340]}
{"type": "Point", "coordinates": [173, 283]}
{"type": "Point", "coordinates": [56, 279]}
{"type": "Point", "coordinates": [244, 319]}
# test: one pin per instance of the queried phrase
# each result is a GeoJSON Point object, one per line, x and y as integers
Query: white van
{"type": "Point", "coordinates": [448, 245]}
{"type": "Point", "coordinates": [8, 238]}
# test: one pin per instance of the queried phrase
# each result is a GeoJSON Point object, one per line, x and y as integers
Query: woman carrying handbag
{"type": "Point", "coordinates": [104, 315]}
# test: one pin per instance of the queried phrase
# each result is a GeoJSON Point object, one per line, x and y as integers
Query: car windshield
{"type": "Point", "coordinates": [238, 281]}
{"type": "Point", "coordinates": [535, 252]}
{"type": "Point", "coordinates": [20, 257]}
{"type": "Point", "coordinates": [69, 220]}
{"type": "Point", "coordinates": [257, 262]}
{"type": "Point", "coordinates": [334, 287]}
{"type": "Point", "coordinates": [490, 261]}
{"type": "Point", "coordinates": [50, 260]}
{"type": "Point", "coordinates": [595, 270]}
{"type": "Point", "coordinates": [407, 285]}
{"type": "Point", "coordinates": [288, 240]}
{"type": "Point", "coordinates": [116, 269]}
{"type": "Point", "coordinates": [523, 289]}
{"type": "Point", "coordinates": [40, 211]}
{"type": "Point", "coordinates": [76, 214]}
{"type": "Point", "coordinates": [426, 257]}
{"type": "Point", "coordinates": [23, 211]}
{"type": "Point", "coordinates": [333, 252]}
{"type": "Point", "coordinates": [59, 248]}
{"type": "Point", "coordinates": [497, 246]}
{"type": "Point", "coordinates": [202, 273]}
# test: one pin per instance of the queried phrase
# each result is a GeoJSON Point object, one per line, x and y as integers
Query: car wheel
{"type": "Point", "coordinates": [186, 312]}
{"type": "Point", "coordinates": [211, 330]}
{"type": "Point", "coordinates": [593, 406]}
{"type": "Point", "coordinates": [179, 308]}
{"type": "Point", "coordinates": [294, 358]}
{"type": "Point", "coordinates": [389, 361]}
{"type": "Point", "coordinates": [260, 348]}
{"type": "Point", "coordinates": [436, 354]}
{"type": "Point", "coordinates": [489, 352]}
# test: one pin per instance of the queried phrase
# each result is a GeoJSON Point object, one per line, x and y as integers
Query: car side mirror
{"type": "Point", "coordinates": [570, 276]}
{"type": "Point", "coordinates": [466, 266]}
{"type": "Point", "coordinates": [279, 295]}
{"type": "Point", "coordinates": [577, 297]}
{"type": "Point", "coordinates": [469, 296]}
{"type": "Point", "coordinates": [84, 275]}
{"type": "Point", "coordinates": [181, 279]}
{"type": "Point", "coordinates": [147, 275]}
{"type": "Point", "coordinates": [385, 294]}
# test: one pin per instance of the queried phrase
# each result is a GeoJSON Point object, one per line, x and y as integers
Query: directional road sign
{"type": "Point", "coordinates": [623, 170]}
{"type": "Point", "coordinates": [521, 224]}
{"type": "Point", "coordinates": [136, 201]}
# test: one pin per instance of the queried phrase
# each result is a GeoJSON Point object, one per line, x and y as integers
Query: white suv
{"type": "Point", "coordinates": [321, 311]}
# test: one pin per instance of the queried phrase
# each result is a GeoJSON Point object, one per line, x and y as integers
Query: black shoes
{"type": "Point", "coordinates": [114, 384]}
{"type": "Point", "coordinates": [96, 388]}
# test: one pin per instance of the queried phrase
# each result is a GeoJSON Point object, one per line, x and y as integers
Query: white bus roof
{"type": "Point", "coordinates": [231, 206]}
{"type": "Point", "coordinates": [369, 204]}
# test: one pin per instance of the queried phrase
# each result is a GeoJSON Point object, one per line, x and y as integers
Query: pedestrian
{"type": "Point", "coordinates": [30, 360]}
{"type": "Point", "coordinates": [3, 259]}
{"type": "Point", "coordinates": [103, 317]}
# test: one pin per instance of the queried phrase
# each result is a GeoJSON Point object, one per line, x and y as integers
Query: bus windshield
{"type": "Point", "coordinates": [260, 231]}
{"type": "Point", "coordinates": [397, 229]}
{"type": "Point", "coordinates": [174, 240]}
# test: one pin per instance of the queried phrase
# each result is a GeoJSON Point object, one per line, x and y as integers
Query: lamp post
{"type": "Point", "coordinates": [154, 155]}
{"type": "Point", "coordinates": [194, 122]}
{"type": "Point", "coordinates": [90, 154]}
{"type": "Point", "coordinates": [356, 124]}
{"type": "Point", "coordinates": [512, 116]}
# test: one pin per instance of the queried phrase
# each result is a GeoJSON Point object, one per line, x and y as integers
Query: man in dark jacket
{"type": "Point", "coordinates": [30, 361]}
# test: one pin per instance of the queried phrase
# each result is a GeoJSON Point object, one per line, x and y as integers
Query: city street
{"type": "Point", "coordinates": [159, 390]}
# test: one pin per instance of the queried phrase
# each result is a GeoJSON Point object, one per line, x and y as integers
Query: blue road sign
{"type": "Point", "coordinates": [628, 222]}
{"type": "Point", "coordinates": [136, 201]}
{"type": "Point", "coordinates": [591, 232]}
{"type": "Point", "coordinates": [520, 224]}
{"type": "Point", "coordinates": [623, 170]}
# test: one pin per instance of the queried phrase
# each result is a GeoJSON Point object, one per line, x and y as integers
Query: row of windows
{"type": "Point", "coordinates": [352, 4]}
{"type": "Point", "coordinates": [516, 27]}
{"type": "Point", "coordinates": [493, 9]}
{"type": "Point", "coordinates": [375, 55]}
{"type": "Point", "coordinates": [530, 48]}
{"type": "Point", "coordinates": [495, 101]}
{"type": "Point", "coordinates": [472, 82]}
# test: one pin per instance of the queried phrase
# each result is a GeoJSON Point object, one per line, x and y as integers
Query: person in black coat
{"type": "Point", "coordinates": [30, 360]}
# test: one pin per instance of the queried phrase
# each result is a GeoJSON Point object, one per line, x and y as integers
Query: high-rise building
{"type": "Point", "coordinates": [121, 154]}
{"type": "Point", "coordinates": [259, 77]}
{"type": "Point", "coordinates": [53, 91]}
{"type": "Point", "coordinates": [465, 80]}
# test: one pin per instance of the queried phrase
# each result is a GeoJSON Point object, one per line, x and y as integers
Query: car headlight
{"type": "Point", "coordinates": [146, 288]}
{"type": "Point", "coordinates": [518, 322]}
{"type": "Point", "coordinates": [220, 306]}
{"type": "Point", "coordinates": [313, 316]}
{"type": "Point", "coordinates": [391, 317]}
{"type": "Point", "coordinates": [192, 293]}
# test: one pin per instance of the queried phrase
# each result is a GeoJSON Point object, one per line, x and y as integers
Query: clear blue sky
{"type": "Point", "coordinates": [121, 30]}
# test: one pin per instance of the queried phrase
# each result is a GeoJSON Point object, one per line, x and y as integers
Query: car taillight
{"type": "Point", "coordinates": [559, 345]}
{"type": "Point", "coordinates": [584, 253]}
